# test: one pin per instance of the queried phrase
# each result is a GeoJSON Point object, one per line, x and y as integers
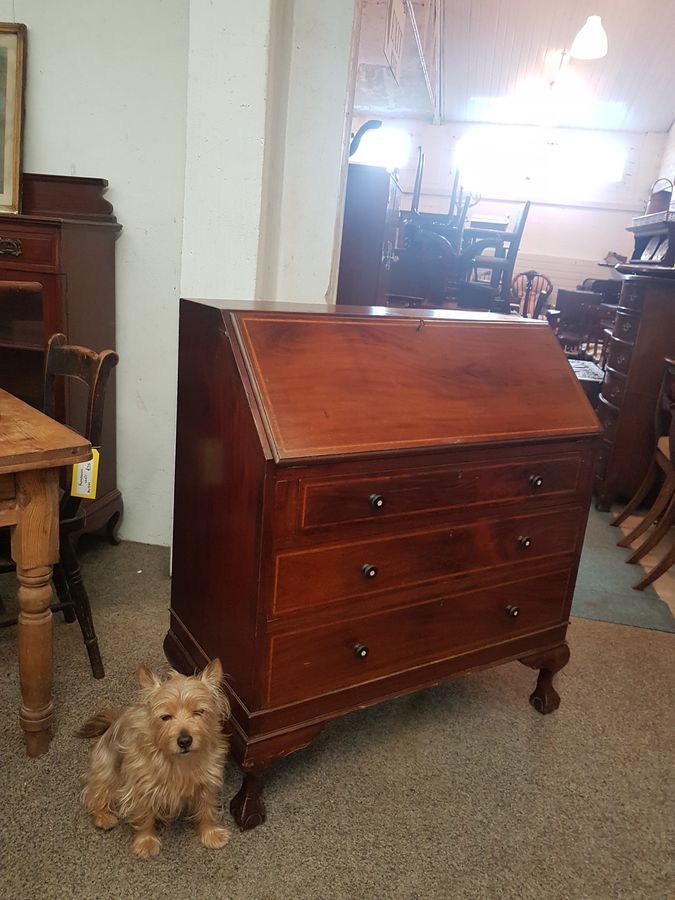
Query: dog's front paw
{"type": "Point", "coordinates": [105, 820]}
{"type": "Point", "coordinates": [214, 837]}
{"type": "Point", "coordinates": [145, 846]}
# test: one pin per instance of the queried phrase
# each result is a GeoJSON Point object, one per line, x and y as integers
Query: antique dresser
{"type": "Point", "coordinates": [367, 502]}
{"type": "Point", "coordinates": [643, 334]}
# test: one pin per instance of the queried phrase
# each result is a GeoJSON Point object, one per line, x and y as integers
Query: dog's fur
{"type": "Point", "coordinates": [161, 757]}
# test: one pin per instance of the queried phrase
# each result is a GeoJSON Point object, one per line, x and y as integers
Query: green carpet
{"type": "Point", "coordinates": [604, 585]}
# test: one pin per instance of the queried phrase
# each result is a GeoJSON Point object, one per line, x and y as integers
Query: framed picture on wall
{"type": "Point", "coordinates": [12, 79]}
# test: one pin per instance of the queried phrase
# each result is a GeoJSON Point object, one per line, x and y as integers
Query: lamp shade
{"type": "Point", "coordinates": [591, 41]}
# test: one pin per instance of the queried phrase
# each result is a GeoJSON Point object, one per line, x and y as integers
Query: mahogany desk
{"type": "Point", "coordinates": [32, 449]}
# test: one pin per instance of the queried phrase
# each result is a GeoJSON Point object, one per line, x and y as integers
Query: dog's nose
{"type": "Point", "coordinates": [184, 741]}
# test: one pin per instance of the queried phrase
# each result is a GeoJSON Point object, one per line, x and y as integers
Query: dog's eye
{"type": "Point", "coordinates": [166, 718]}
{"type": "Point", "coordinates": [199, 712]}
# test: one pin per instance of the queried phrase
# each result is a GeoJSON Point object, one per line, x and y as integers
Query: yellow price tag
{"type": "Point", "coordinates": [85, 477]}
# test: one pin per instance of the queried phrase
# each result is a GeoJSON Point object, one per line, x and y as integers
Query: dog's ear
{"type": "Point", "coordinates": [213, 673]}
{"type": "Point", "coordinates": [146, 679]}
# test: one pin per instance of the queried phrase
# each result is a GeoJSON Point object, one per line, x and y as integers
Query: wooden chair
{"type": "Point", "coordinates": [661, 515]}
{"type": "Point", "coordinates": [64, 361]}
{"type": "Point", "coordinates": [531, 292]}
{"type": "Point", "coordinates": [580, 324]}
{"type": "Point", "coordinates": [505, 245]}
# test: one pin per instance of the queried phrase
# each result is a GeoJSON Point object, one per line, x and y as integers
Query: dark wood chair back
{"type": "Point", "coordinates": [64, 361]}
{"type": "Point", "coordinates": [531, 291]}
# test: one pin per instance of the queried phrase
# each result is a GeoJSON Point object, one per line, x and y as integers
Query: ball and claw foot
{"type": "Point", "coordinates": [545, 698]}
{"type": "Point", "coordinates": [247, 807]}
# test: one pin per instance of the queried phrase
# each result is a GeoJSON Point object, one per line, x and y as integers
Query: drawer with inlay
{"type": "Point", "coordinates": [619, 355]}
{"type": "Point", "coordinates": [28, 247]}
{"type": "Point", "coordinates": [317, 576]}
{"type": "Point", "coordinates": [632, 296]}
{"type": "Point", "coordinates": [626, 325]}
{"type": "Point", "coordinates": [614, 386]}
{"type": "Point", "coordinates": [316, 661]}
{"type": "Point", "coordinates": [382, 497]}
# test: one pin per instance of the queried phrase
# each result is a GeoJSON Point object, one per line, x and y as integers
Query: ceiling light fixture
{"type": "Point", "coordinates": [591, 41]}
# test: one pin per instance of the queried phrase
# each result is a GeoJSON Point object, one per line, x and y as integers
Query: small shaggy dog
{"type": "Point", "coordinates": [161, 757]}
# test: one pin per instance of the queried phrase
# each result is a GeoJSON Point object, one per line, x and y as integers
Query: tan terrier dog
{"type": "Point", "coordinates": [161, 757]}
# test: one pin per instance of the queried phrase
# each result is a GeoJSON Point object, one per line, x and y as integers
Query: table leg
{"type": "Point", "coordinates": [35, 547]}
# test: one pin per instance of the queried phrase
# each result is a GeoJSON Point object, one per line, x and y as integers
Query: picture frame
{"type": "Point", "coordinates": [12, 83]}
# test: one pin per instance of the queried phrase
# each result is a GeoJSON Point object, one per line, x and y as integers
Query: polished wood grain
{"type": "Point", "coordinates": [413, 385]}
{"type": "Point", "coordinates": [32, 448]}
{"type": "Point", "coordinates": [313, 446]}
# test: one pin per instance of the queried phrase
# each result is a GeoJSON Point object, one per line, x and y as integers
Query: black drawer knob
{"type": "Point", "coordinates": [512, 612]}
{"type": "Point", "coordinates": [369, 571]}
{"type": "Point", "coordinates": [376, 501]}
{"type": "Point", "coordinates": [360, 651]}
{"type": "Point", "coordinates": [536, 481]}
{"type": "Point", "coordinates": [525, 541]}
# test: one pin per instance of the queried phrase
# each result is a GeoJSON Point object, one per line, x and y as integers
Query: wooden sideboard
{"type": "Point", "coordinates": [64, 239]}
{"type": "Point", "coordinates": [642, 335]}
{"type": "Point", "coordinates": [368, 502]}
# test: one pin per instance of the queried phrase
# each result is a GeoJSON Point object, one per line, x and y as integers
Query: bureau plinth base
{"type": "Point", "coordinates": [247, 807]}
{"type": "Point", "coordinates": [545, 698]}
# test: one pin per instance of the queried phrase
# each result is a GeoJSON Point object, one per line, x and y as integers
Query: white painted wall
{"type": "Point", "coordinates": [318, 123]}
{"type": "Point", "coordinates": [227, 105]}
{"type": "Point", "coordinates": [106, 97]}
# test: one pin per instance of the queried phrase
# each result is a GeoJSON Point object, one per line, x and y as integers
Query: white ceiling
{"type": "Point", "coordinates": [494, 67]}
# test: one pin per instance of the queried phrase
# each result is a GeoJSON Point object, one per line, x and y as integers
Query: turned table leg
{"type": "Point", "coordinates": [545, 698]}
{"type": "Point", "coordinates": [35, 542]}
{"type": "Point", "coordinates": [248, 807]}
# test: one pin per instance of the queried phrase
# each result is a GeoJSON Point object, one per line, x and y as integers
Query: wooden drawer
{"type": "Point", "coordinates": [626, 326]}
{"type": "Point", "coordinates": [632, 296]}
{"type": "Point", "coordinates": [328, 574]}
{"type": "Point", "coordinates": [320, 660]}
{"type": "Point", "coordinates": [614, 386]}
{"type": "Point", "coordinates": [6, 487]}
{"type": "Point", "coordinates": [609, 416]}
{"type": "Point", "coordinates": [27, 248]}
{"type": "Point", "coordinates": [380, 497]}
{"type": "Point", "coordinates": [619, 355]}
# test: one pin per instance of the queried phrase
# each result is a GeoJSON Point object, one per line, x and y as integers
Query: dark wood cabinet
{"type": "Point", "coordinates": [369, 236]}
{"type": "Point", "coordinates": [368, 502]}
{"type": "Point", "coordinates": [64, 240]}
{"type": "Point", "coordinates": [642, 335]}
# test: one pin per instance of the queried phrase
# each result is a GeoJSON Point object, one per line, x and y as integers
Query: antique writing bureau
{"type": "Point", "coordinates": [367, 502]}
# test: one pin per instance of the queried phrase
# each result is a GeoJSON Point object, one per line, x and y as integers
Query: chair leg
{"type": "Point", "coordinates": [657, 533]}
{"type": "Point", "coordinates": [638, 496]}
{"type": "Point", "coordinates": [80, 598]}
{"type": "Point", "coordinates": [63, 592]}
{"type": "Point", "coordinates": [658, 570]}
{"type": "Point", "coordinates": [663, 499]}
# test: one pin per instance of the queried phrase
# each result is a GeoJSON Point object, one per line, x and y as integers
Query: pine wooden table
{"type": "Point", "coordinates": [32, 449]}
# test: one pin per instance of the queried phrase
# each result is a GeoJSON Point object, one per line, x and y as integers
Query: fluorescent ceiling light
{"type": "Point", "coordinates": [591, 41]}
